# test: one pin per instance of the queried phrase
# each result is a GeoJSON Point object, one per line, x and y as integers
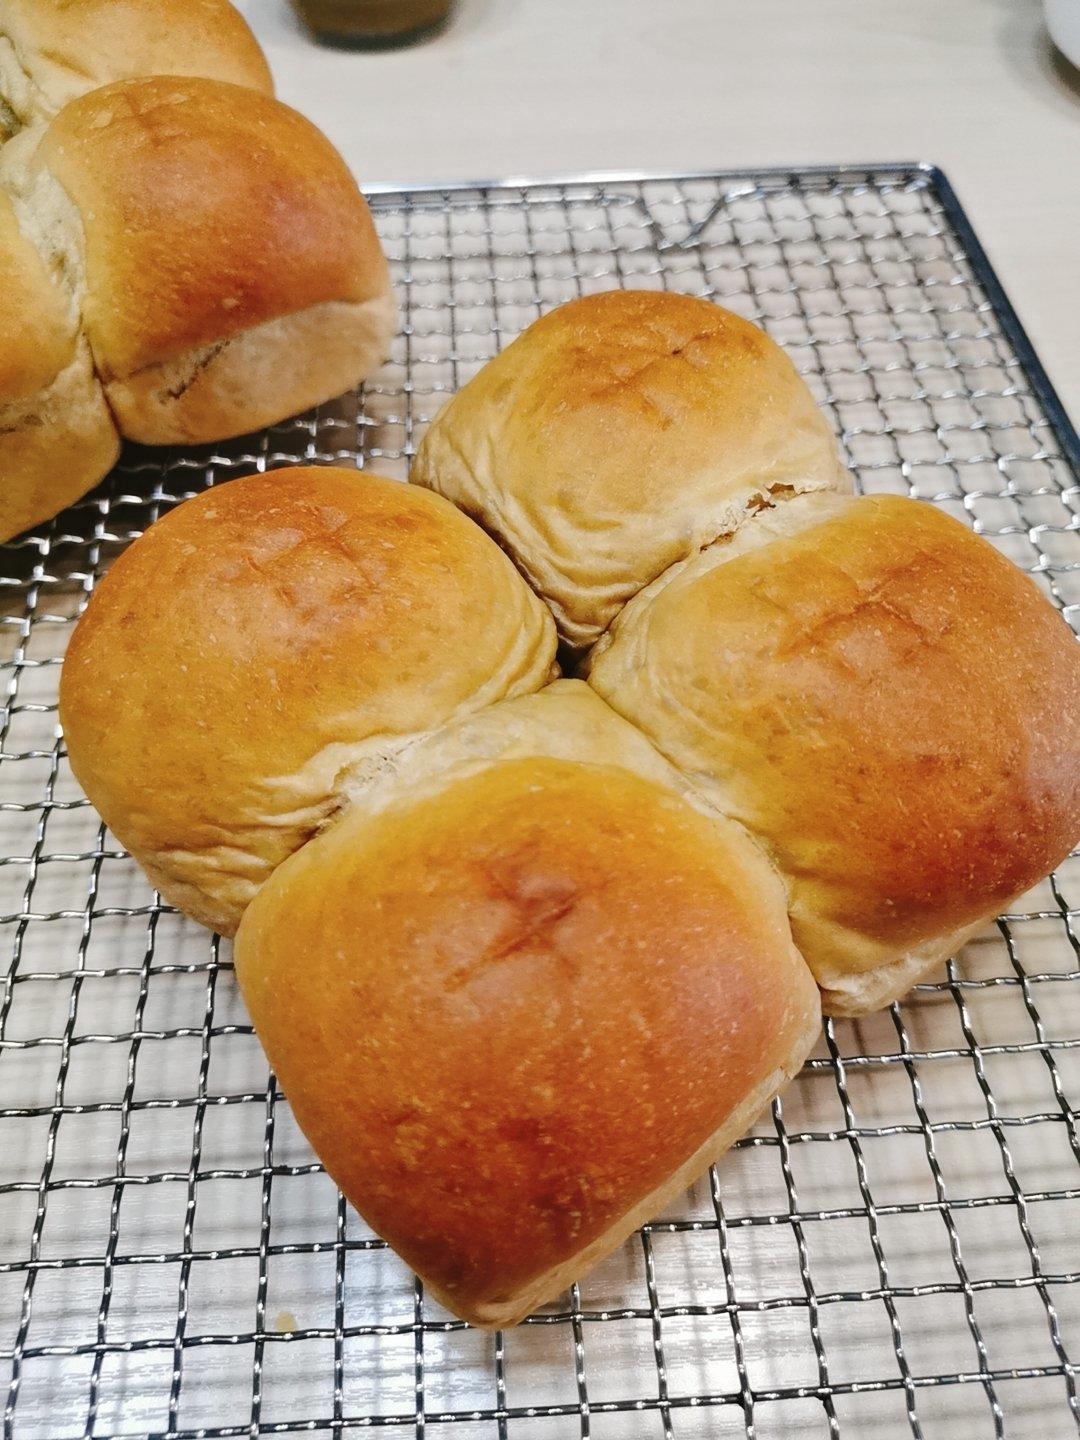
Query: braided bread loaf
{"type": "Point", "coordinates": [518, 947]}
{"type": "Point", "coordinates": [195, 255]}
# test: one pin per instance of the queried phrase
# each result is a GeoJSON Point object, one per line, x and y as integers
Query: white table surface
{"type": "Point", "coordinates": [542, 87]}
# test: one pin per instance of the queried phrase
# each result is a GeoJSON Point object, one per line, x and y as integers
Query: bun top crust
{"type": "Point", "coordinates": [57, 50]}
{"type": "Point", "coordinates": [619, 434]}
{"type": "Point", "coordinates": [506, 1012]}
{"type": "Point", "coordinates": [264, 640]}
{"type": "Point", "coordinates": [828, 681]}
{"type": "Point", "coordinates": [206, 209]}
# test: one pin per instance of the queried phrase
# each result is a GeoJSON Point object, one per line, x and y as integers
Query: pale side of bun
{"type": "Point", "coordinates": [617, 436]}
{"type": "Point", "coordinates": [228, 267]}
{"type": "Point", "coordinates": [37, 330]}
{"type": "Point", "coordinates": [47, 219]}
{"type": "Point", "coordinates": [515, 1012]}
{"type": "Point", "coordinates": [53, 51]}
{"type": "Point", "coordinates": [57, 437]}
{"type": "Point", "coordinates": [257, 377]}
{"type": "Point", "coordinates": [54, 448]}
{"type": "Point", "coordinates": [265, 640]}
{"type": "Point", "coordinates": [851, 993]}
{"type": "Point", "coordinates": [566, 720]}
{"type": "Point", "coordinates": [773, 522]}
{"type": "Point", "coordinates": [888, 704]}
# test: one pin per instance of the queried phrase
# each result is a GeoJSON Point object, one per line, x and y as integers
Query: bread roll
{"type": "Point", "coordinates": [886, 703]}
{"type": "Point", "coordinates": [619, 434]}
{"type": "Point", "coordinates": [53, 51]}
{"type": "Point", "coordinates": [229, 271]}
{"type": "Point", "coordinates": [57, 437]}
{"type": "Point", "coordinates": [517, 1006]}
{"type": "Point", "coordinates": [265, 644]}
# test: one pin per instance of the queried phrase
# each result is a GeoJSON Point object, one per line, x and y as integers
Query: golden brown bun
{"type": "Point", "coordinates": [266, 642]}
{"type": "Point", "coordinates": [618, 435]}
{"type": "Point", "coordinates": [887, 703]}
{"type": "Point", "coordinates": [52, 51]}
{"type": "Point", "coordinates": [183, 260]}
{"type": "Point", "coordinates": [57, 438]}
{"type": "Point", "coordinates": [516, 1013]}
{"type": "Point", "coordinates": [228, 268]}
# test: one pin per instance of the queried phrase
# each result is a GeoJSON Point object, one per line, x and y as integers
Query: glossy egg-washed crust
{"type": "Point", "coordinates": [512, 1011]}
{"type": "Point", "coordinates": [201, 252]}
{"type": "Point", "coordinates": [211, 215]}
{"type": "Point", "coordinates": [507, 925]}
{"type": "Point", "coordinates": [886, 702]}
{"type": "Point", "coordinates": [523, 963]}
{"type": "Point", "coordinates": [263, 641]}
{"type": "Point", "coordinates": [619, 434]}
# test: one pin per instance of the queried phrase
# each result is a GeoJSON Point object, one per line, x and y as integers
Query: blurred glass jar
{"type": "Point", "coordinates": [373, 23]}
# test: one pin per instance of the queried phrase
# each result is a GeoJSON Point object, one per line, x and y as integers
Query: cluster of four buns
{"type": "Point", "coordinates": [182, 257]}
{"type": "Point", "coordinates": [517, 981]}
{"type": "Point", "coordinates": [519, 947]}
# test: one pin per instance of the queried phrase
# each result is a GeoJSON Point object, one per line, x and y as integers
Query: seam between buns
{"type": "Point", "coordinates": [64, 259]}
{"type": "Point", "coordinates": [764, 499]}
{"type": "Point", "coordinates": [10, 124]}
{"type": "Point", "coordinates": [26, 411]}
{"type": "Point", "coordinates": [495, 526]}
{"type": "Point", "coordinates": [770, 498]}
{"type": "Point", "coordinates": [386, 752]}
{"type": "Point", "coordinates": [701, 795]}
{"type": "Point", "coordinates": [65, 266]}
{"type": "Point", "coordinates": [33, 88]}
{"type": "Point", "coordinates": [761, 500]}
{"type": "Point", "coordinates": [378, 756]}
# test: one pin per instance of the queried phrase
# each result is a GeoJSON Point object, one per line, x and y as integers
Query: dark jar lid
{"type": "Point", "coordinates": [373, 24]}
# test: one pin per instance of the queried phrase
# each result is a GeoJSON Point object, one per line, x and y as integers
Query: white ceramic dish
{"type": "Point", "coordinates": [1063, 23]}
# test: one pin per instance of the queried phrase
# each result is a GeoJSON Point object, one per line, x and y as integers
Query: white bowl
{"type": "Point", "coordinates": [1063, 22]}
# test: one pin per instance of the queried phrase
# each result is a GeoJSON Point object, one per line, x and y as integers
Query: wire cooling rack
{"type": "Point", "coordinates": [892, 1252]}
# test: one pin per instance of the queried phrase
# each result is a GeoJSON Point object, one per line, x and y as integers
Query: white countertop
{"type": "Point", "coordinates": [540, 87]}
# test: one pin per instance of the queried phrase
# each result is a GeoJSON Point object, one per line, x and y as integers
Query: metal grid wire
{"type": "Point", "coordinates": [891, 1252]}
